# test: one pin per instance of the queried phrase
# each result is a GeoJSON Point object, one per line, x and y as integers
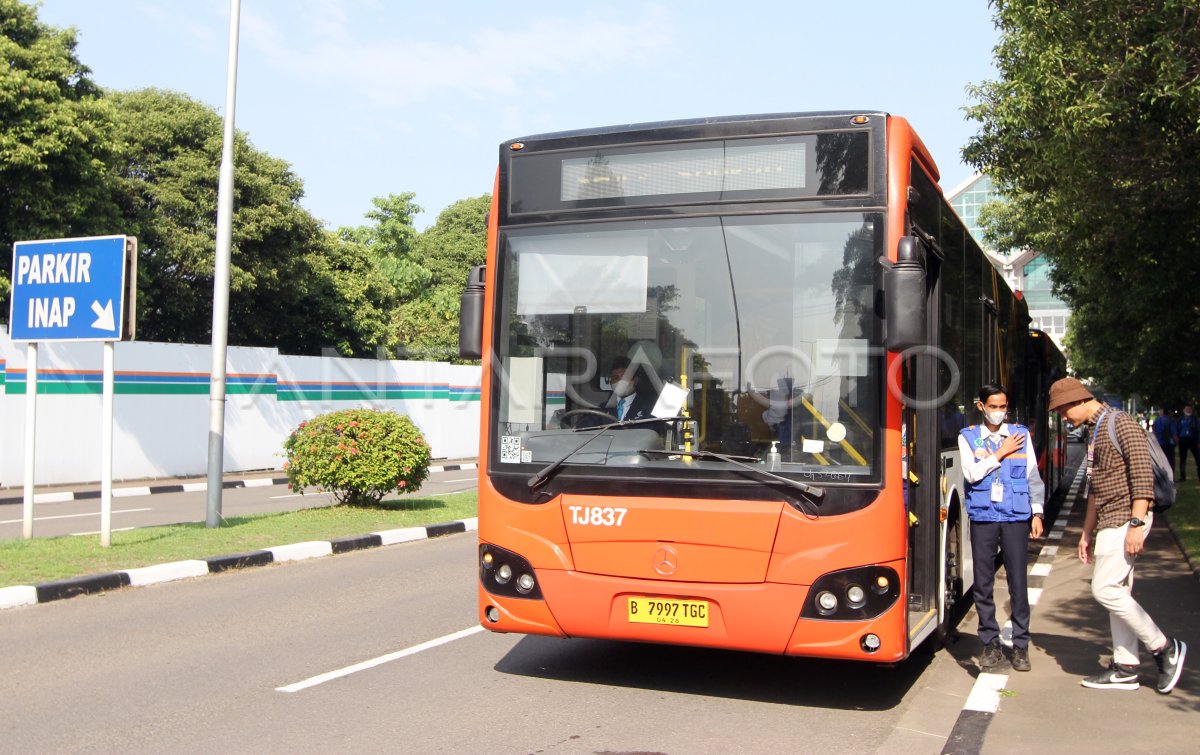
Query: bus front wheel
{"type": "Point", "coordinates": [953, 605]}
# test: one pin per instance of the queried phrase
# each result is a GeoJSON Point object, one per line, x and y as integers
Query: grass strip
{"type": "Point", "coordinates": [1185, 517]}
{"type": "Point", "coordinates": [31, 562]}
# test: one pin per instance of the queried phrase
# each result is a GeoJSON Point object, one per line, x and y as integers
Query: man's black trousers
{"type": "Point", "coordinates": [1012, 538]}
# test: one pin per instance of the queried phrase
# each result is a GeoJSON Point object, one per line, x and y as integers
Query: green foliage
{"type": "Point", "coordinates": [56, 132]}
{"type": "Point", "coordinates": [360, 455]}
{"type": "Point", "coordinates": [292, 285]}
{"type": "Point", "coordinates": [77, 161]}
{"type": "Point", "coordinates": [390, 242]}
{"type": "Point", "coordinates": [427, 325]}
{"type": "Point", "coordinates": [1092, 131]}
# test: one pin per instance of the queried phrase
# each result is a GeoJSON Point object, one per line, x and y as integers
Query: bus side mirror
{"type": "Point", "coordinates": [904, 296]}
{"type": "Point", "coordinates": [470, 315]}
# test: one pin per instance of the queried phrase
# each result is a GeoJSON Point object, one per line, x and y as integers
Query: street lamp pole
{"type": "Point", "coordinates": [220, 327]}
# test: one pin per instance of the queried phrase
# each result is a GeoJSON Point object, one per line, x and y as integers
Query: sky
{"type": "Point", "coordinates": [366, 98]}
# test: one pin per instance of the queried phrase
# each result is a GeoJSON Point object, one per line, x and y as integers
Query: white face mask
{"type": "Point", "coordinates": [622, 388]}
{"type": "Point", "coordinates": [994, 418]}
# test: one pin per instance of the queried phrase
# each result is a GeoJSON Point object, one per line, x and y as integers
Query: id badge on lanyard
{"type": "Point", "coordinates": [997, 485]}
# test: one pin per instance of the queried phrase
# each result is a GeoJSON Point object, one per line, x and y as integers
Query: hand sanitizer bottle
{"type": "Point", "coordinates": [773, 458]}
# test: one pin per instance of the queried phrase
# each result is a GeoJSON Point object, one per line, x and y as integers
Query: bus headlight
{"type": "Point", "coordinates": [497, 568]}
{"type": "Point", "coordinates": [827, 602]}
{"type": "Point", "coordinates": [860, 603]}
{"type": "Point", "coordinates": [855, 596]}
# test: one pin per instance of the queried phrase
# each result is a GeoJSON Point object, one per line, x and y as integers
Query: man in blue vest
{"type": "Point", "coordinates": [1005, 497]}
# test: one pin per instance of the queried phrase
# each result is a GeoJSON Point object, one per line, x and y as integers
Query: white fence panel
{"type": "Point", "coordinates": [161, 406]}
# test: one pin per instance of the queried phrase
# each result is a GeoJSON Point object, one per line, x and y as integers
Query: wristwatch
{"type": "Point", "coordinates": [1135, 522]}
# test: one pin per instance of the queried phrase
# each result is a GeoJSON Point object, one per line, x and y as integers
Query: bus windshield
{"type": "Point", "coordinates": [744, 332]}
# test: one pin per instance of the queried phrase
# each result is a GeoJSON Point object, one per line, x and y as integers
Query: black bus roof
{"type": "Point", "coordinates": [684, 124]}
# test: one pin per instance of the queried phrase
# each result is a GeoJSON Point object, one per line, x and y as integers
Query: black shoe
{"type": "Point", "coordinates": [1020, 661]}
{"type": "Point", "coordinates": [1116, 677]}
{"type": "Point", "coordinates": [1170, 665]}
{"type": "Point", "coordinates": [993, 655]}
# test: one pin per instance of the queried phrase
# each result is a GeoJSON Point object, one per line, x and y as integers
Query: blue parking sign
{"type": "Point", "coordinates": [68, 290]}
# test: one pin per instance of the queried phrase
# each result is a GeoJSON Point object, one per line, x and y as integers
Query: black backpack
{"type": "Point", "coordinates": [1164, 475]}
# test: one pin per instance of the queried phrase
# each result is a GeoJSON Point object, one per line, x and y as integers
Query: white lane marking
{"type": "Point", "coordinates": [363, 666]}
{"type": "Point", "coordinates": [452, 492]}
{"type": "Point", "coordinates": [279, 497]}
{"type": "Point", "coordinates": [985, 695]}
{"type": "Point", "coordinates": [461, 479]}
{"type": "Point", "coordinates": [72, 516]}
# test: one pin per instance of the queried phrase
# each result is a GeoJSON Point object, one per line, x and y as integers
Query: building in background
{"type": "Point", "coordinates": [1026, 270]}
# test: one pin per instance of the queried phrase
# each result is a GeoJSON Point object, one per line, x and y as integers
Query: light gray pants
{"type": "Point", "coordinates": [1112, 587]}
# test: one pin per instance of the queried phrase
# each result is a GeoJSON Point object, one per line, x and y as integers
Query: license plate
{"type": "Point", "coordinates": [683, 613]}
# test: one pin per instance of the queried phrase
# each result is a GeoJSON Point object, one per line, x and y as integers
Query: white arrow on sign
{"type": "Point", "coordinates": [104, 316]}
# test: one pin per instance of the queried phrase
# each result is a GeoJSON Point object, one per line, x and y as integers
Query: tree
{"type": "Point", "coordinates": [56, 132]}
{"type": "Point", "coordinates": [292, 285]}
{"type": "Point", "coordinates": [427, 325]}
{"type": "Point", "coordinates": [390, 242]}
{"type": "Point", "coordinates": [1092, 131]}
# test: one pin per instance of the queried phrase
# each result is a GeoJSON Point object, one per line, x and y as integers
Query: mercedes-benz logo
{"type": "Point", "coordinates": [666, 560]}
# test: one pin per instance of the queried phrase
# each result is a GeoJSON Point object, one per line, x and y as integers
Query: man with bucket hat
{"type": "Point", "coordinates": [1120, 491]}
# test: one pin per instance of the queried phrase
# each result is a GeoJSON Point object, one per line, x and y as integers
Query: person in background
{"type": "Point", "coordinates": [1005, 497]}
{"type": "Point", "coordinates": [1120, 490]}
{"type": "Point", "coordinates": [1164, 432]}
{"type": "Point", "coordinates": [1187, 437]}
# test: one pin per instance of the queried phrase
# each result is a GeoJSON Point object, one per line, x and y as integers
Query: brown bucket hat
{"type": "Point", "coordinates": [1067, 391]}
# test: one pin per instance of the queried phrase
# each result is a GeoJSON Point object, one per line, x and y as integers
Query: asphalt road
{"type": "Point", "coordinates": [83, 517]}
{"type": "Point", "coordinates": [197, 666]}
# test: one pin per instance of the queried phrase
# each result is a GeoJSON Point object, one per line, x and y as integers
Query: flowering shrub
{"type": "Point", "coordinates": [359, 455]}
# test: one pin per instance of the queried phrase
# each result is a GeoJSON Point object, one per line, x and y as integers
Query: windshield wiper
{"type": "Point", "coordinates": [814, 493]}
{"type": "Point", "coordinates": [546, 472]}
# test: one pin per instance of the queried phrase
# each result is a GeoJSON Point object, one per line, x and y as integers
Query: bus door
{"type": "Point", "coordinates": [921, 416]}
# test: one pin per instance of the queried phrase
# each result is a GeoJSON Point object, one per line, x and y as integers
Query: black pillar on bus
{"type": "Point", "coordinates": [470, 316]}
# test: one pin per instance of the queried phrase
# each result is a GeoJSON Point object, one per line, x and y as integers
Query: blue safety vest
{"type": "Point", "coordinates": [1015, 506]}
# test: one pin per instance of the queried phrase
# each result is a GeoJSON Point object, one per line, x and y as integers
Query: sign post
{"type": "Point", "coordinates": [71, 290]}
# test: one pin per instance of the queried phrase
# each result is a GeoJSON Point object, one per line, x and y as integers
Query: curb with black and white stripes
{"type": "Point", "coordinates": [24, 595]}
{"type": "Point", "coordinates": [67, 496]}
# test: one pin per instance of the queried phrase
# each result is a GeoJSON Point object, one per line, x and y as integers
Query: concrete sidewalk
{"type": "Point", "coordinates": [1046, 709]}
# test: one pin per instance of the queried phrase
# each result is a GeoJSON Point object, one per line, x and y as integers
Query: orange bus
{"type": "Point", "coordinates": [797, 322]}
